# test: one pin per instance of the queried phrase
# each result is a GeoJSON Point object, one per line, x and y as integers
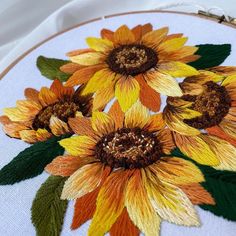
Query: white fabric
{"type": "Point", "coordinates": [24, 23]}
{"type": "Point", "coordinates": [16, 200]}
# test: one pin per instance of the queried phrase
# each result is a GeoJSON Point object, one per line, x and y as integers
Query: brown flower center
{"type": "Point", "coordinates": [214, 103]}
{"type": "Point", "coordinates": [132, 59]}
{"type": "Point", "coordinates": [62, 110]}
{"type": "Point", "coordinates": [129, 148]}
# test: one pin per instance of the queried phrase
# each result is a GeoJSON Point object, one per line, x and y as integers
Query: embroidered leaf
{"type": "Point", "coordinates": [31, 162]}
{"type": "Point", "coordinates": [211, 55]}
{"type": "Point", "coordinates": [50, 68]}
{"type": "Point", "coordinates": [221, 185]}
{"type": "Point", "coordinates": [48, 210]}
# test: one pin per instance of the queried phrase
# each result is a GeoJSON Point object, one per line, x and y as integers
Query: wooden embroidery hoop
{"type": "Point", "coordinates": [201, 14]}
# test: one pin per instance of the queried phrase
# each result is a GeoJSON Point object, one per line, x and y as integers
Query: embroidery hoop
{"type": "Point", "coordinates": [12, 66]}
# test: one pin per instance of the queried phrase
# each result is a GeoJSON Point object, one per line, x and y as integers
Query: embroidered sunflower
{"type": "Point", "coordinates": [44, 113]}
{"type": "Point", "coordinates": [120, 175]}
{"type": "Point", "coordinates": [131, 64]}
{"type": "Point", "coordinates": [203, 119]}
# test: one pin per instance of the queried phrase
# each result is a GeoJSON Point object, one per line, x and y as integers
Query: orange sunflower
{"type": "Point", "coordinates": [131, 64]}
{"type": "Point", "coordinates": [121, 177]}
{"type": "Point", "coordinates": [203, 120]}
{"type": "Point", "coordinates": [44, 113]}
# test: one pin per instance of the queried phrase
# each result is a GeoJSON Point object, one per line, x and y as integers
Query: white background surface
{"type": "Point", "coordinates": [23, 23]}
{"type": "Point", "coordinates": [15, 201]}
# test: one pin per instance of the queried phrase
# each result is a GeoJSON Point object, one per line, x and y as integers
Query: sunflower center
{"type": "Point", "coordinates": [62, 110]}
{"type": "Point", "coordinates": [132, 59]}
{"type": "Point", "coordinates": [214, 104]}
{"type": "Point", "coordinates": [129, 148]}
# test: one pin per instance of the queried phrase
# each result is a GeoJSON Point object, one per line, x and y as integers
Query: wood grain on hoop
{"type": "Point", "coordinates": [97, 19]}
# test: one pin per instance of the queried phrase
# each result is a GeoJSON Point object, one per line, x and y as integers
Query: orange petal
{"type": "Point", "coordinates": [172, 36]}
{"type": "Point", "coordinates": [217, 131]}
{"type": "Point", "coordinates": [155, 123]}
{"type": "Point", "coordinates": [197, 194]}
{"type": "Point", "coordinates": [124, 226]}
{"type": "Point", "coordinates": [67, 165]}
{"type": "Point", "coordinates": [27, 106]}
{"type": "Point", "coordinates": [148, 96]}
{"type": "Point", "coordinates": [57, 126]}
{"type": "Point", "coordinates": [32, 94]}
{"type": "Point", "coordinates": [84, 208]}
{"type": "Point", "coordinates": [47, 97]}
{"type": "Point", "coordinates": [123, 35]}
{"type": "Point", "coordinates": [107, 34]}
{"type": "Point", "coordinates": [166, 139]}
{"type": "Point", "coordinates": [117, 115]}
{"type": "Point", "coordinates": [13, 129]}
{"type": "Point", "coordinates": [61, 91]}
{"type": "Point", "coordinates": [146, 28]}
{"type": "Point", "coordinates": [130, 87]}
{"type": "Point", "coordinates": [229, 127]}
{"type": "Point", "coordinates": [81, 126]}
{"type": "Point", "coordinates": [137, 32]}
{"type": "Point", "coordinates": [110, 203]}
{"type": "Point", "coordinates": [78, 52]}
{"type": "Point", "coordinates": [70, 68]}
{"type": "Point", "coordinates": [4, 120]}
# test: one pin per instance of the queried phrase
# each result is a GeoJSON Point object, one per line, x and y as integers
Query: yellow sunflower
{"type": "Point", "coordinates": [44, 113]}
{"type": "Point", "coordinates": [203, 120]}
{"type": "Point", "coordinates": [121, 177]}
{"type": "Point", "coordinates": [131, 64]}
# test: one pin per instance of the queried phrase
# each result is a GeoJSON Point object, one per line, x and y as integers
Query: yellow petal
{"type": "Point", "coordinates": [27, 106]}
{"type": "Point", "coordinates": [164, 84]}
{"type": "Point", "coordinates": [169, 201]}
{"type": "Point", "coordinates": [139, 206]}
{"type": "Point", "coordinates": [177, 69]}
{"type": "Point", "coordinates": [175, 123]}
{"type": "Point", "coordinates": [83, 181]}
{"type": "Point", "coordinates": [124, 35]}
{"type": "Point", "coordinates": [127, 92]}
{"type": "Point", "coordinates": [78, 145]}
{"type": "Point", "coordinates": [99, 44]}
{"type": "Point", "coordinates": [137, 116]}
{"type": "Point", "coordinates": [88, 59]}
{"type": "Point", "coordinates": [225, 152]}
{"type": "Point", "coordinates": [195, 148]}
{"type": "Point", "coordinates": [57, 126]}
{"type": "Point", "coordinates": [153, 38]}
{"type": "Point", "coordinates": [172, 44]}
{"type": "Point", "coordinates": [102, 123]}
{"type": "Point", "coordinates": [16, 115]}
{"type": "Point", "coordinates": [42, 134]}
{"type": "Point", "coordinates": [110, 203]}
{"type": "Point", "coordinates": [176, 171]}
{"type": "Point", "coordinates": [28, 136]}
{"type": "Point", "coordinates": [47, 97]}
{"type": "Point", "coordinates": [230, 79]}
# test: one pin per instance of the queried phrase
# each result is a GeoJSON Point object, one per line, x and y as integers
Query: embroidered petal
{"type": "Point", "coordinates": [88, 59]}
{"type": "Point", "coordinates": [98, 44]}
{"type": "Point", "coordinates": [195, 147]}
{"type": "Point", "coordinates": [136, 116]}
{"type": "Point", "coordinates": [60, 91]}
{"type": "Point", "coordinates": [169, 201]}
{"type": "Point", "coordinates": [32, 94]}
{"type": "Point", "coordinates": [123, 35]}
{"type": "Point", "coordinates": [110, 203]}
{"type": "Point", "coordinates": [177, 171]}
{"type": "Point", "coordinates": [163, 83]}
{"type": "Point", "coordinates": [139, 206]}
{"type": "Point", "coordinates": [57, 126]}
{"type": "Point", "coordinates": [155, 123]}
{"type": "Point", "coordinates": [229, 127]}
{"type": "Point", "coordinates": [172, 45]}
{"type": "Point", "coordinates": [16, 115]}
{"type": "Point", "coordinates": [166, 140]}
{"type": "Point", "coordinates": [47, 97]}
{"type": "Point", "coordinates": [84, 180]}
{"type": "Point", "coordinates": [13, 129]}
{"type": "Point", "coordinates": [177, 69]}
{"type": "Point", "coordinates": [127, 92]}
{"type": "Point", "coordinates": [117, 114]}
{"type": "Point", "coordinates": [70, 68]}
{"type": "Point", "coordinates": [148, 96]}
{"type": "Point", "coordinates": [28, 136]}
{"type": "Point", "coordinates": [42, 134]}
{"type": "Point", "coordinates": [27, 106]}
{"type": "Point", "coordinates": [107, 34]}
{"type": "Point", "coordinates": [229, 80]}
{"type": "Point", "coordinates": [67, 165]}
{"type": "Point", "coordinates": [78, 145]}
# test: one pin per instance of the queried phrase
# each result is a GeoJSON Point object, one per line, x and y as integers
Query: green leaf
{"type": "Point", "coordinates": [211, 55]}
{"type": "Point", "coordinates": [31, 162]}
{"type": "Point", "coordinates": [48, 210]}
{"type": "Point", "coordinates": [50, 68]}
{"type": "Point", "coordinates": [221, 185]}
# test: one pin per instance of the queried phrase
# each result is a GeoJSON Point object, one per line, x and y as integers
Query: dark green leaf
{"type": "Point", "coordinates": [50, 68]}
{"type": "Point", "coordinates": [31, 162]}
{"type": "Point", "coordinates": [211, 55]}
{"type": "Point", "coordinates": [221, 185]}
{"type": "Point", "coordinates": [48, 210]}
